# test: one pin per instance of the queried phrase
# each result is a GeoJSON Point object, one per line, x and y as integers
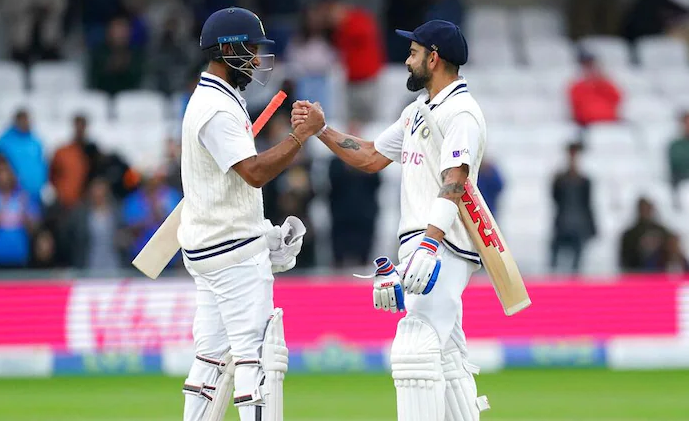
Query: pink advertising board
{"type": "Point", "coordinates": [121, 315]}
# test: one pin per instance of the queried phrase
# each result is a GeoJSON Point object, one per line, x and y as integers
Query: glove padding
{"type": "Point", "coordinates": [423, 268]}
{"type": "Point", "coordinates": [285, 243]}
{"type": "Point", "coordinates": [388, 293]}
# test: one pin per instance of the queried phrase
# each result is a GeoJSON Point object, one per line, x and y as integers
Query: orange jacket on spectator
{"type": "Point", "coordinates": [594, 101]}
{"type": "Point", "coordinates": [69, 174]}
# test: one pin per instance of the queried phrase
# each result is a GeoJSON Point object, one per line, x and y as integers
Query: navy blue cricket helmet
{"type": "Point", "coordinates": [243, 31]}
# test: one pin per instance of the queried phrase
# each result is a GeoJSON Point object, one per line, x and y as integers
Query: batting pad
{"type": "Point", "coordinates": [462, 402]}
{"type": "Point", "coordinates": [210, 383]}
{"type": "Point", "coordinates": [275, 358]}
{"type": "Point", "coordinates": [417, 372]}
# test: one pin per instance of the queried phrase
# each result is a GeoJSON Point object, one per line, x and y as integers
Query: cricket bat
{"type": "Point", "coordinates": [488, 240]}
{"type": "Point", "coordinates": [163, 245]}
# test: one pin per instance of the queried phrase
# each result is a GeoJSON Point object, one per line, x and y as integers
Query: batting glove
{"type": "Point", "coordinates": [285, 243]}
{"type": "Point", "coordinates": [423, 268]}
{"type": "Point", "coordinates": [388, 294]}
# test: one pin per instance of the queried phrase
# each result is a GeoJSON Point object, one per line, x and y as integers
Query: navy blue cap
{"type": "Point", "coordinates": [443, 37]}
{"type": "Point", "coordinates": [230, 25]}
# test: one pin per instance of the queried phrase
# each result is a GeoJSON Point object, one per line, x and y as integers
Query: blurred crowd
{"type": "Point", "coordinates": [88, 209]}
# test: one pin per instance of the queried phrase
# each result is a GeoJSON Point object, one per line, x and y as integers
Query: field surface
{"type": "Point", "coordinates": [533, 395]}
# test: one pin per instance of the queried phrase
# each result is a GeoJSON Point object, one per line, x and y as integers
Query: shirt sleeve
{"type": "Point", "coordinates": [389, 143]}
{"type": "Point", "coordinates": [460, 144]}
{"type": "Point", "coordinates": [227, 139]}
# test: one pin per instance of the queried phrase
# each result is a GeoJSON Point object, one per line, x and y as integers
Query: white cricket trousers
{"type": "Point", "coordinates": [442, 307]}
{"type": "Point", "coordinates": [232, 310]}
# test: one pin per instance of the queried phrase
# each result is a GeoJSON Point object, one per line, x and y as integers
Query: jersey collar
{"type": "Point", "coordinates": [215, 82]}
{"type": "Point", "coordinates": [455, 87]}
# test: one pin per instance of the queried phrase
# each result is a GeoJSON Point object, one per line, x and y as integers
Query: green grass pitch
{"type": "Point", "coordinates": [533, 395]}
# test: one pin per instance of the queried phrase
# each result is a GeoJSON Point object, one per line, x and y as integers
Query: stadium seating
{"type": "Point", "coordinates": [521, 66]}
{"type": "Point", "coordinates": [12, 79]}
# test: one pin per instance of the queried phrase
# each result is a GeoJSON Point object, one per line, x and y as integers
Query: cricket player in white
{"type": "Point", "coordinates": [228, 247]}
{"type": "Point", "coordinates": [430, 367]}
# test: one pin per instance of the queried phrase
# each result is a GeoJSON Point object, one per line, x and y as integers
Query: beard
{"type": "Point", "coordinates": [418, 80]}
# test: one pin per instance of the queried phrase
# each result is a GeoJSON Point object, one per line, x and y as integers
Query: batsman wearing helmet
{"type": "Point", "coordinates": [228, 247]}
{"type": "Point", "coordinates": [432, 374]}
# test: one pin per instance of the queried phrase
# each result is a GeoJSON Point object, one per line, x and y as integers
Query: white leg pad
{"type": "Point", "coordinates": [215, 389]}
{"type": "Point", "coordinates": [461, 400]}
{"type": "Point", "coordinates": [275, 358]}
{"type": "Point", "coordinates": [417, 372]}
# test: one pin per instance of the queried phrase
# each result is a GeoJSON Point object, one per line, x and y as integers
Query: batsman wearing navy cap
{"type": "Point", "coordinates": [430, 361]}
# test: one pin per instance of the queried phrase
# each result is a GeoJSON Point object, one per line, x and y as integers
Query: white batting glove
{"type": "Point", "coordinates": [290, 238]}
{"type": "Point", "coordinates": [388, 293]}
{"type": "Point", "coordinates": [423, 268]}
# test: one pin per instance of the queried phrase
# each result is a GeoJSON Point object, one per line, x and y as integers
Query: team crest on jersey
{"type": "Point", "coordinates": [425, 132]}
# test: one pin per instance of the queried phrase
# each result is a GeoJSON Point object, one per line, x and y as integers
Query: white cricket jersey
{"type": "Point", "coordinates": [410, 143]}
{"type": "Point", "coordinates": [222, 216]}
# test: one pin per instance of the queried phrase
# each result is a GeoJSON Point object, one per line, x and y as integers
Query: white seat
{"type": "Point", "coordinates": [12, 79]}
{"type": "Point", "coordinates": [39, 107]}
{"type": "Point", "coordinates": [609, 51]}
{"type": "Point", "coordinates": [645, 109]}
{"type": "Point", "coordinates": [489, 53]}
{"type": "Point", "coordinates": [140, 107]}
{"type": "Point", "coordinates": [508, 81]}
{"type": "Point", "coordinates": [93, 104]}
{"type": "Point", "coordinates": [394, 96]}
{"type": "Point", "coordinates": [557, 81]}
{"type": "Point", "coordinates": [632, 82]}
{"type": "Point", "coordinates": [144, 146]}
{"type": "Point", "coordinates": [662, 53]}
{"type": "Point", "coordinates": [488, 23]}
{"type": "Point", "coordinates": [540, 22]}
{"type": "Point", "coordinates": [56, 78]}
{"type": "Point", "coordinates": [550, 53]}
{"type": "Point", "coordinates": [495, 110]}
{"type": "Point", "coordinates": [534, 110]}
{"type": "Point", "coordinates": [610, 139]}
{"type": "Point", "coordinates": [552, 138]}
{"type": "Point", "coordinates": [673, 82]}
{"type": "Point", "coordinates": [53, 135]}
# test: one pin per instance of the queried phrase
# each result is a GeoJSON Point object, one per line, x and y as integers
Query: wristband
{"type": "Point", "coordinates": [322, 130]}
{"type": "Point", "coordinates": [443, 214]}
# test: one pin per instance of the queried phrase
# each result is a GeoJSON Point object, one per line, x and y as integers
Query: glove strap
{"type": "Point", "coordinates": [429, 244]}
{"type": "Point", "coordinates": [384, 266]}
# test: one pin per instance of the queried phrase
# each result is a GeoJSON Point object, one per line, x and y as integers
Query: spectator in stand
{"type": "Point", "coordinates": [116, 66]}
{"type": "Point", "coordinates": [670, 258]}
{"type": "Point", "coordinates": [170, 56]}
{"type": "Point", "coordinates": [95, 16]}
{"type": "Point", "coordinates": [643, 241]}
{"type": "Point", "coordinates": [73, 165]}
{"type": "Point", "coordinates": [353, 209]}
{"type": "Point", "coordinates": [678, 154]}
{"type": "Point", "coordinates": [34, 28]}
{"type": "Point", "coordinates": [593, 17]}
{"type": "Point", "coordinates": [44, 252]}
{"type": "Point", "coordinates": [291, 192]}
{"type": "Point", "coordinates": [310, 57]}
{"type": "Point", "coordinates": [94, 229]}
{"type": "Point", "coordinates": [24, 152]}
{"type": "Point", "coordinates": [651, 17]}
{"type": "Point", "coordinates": [594, 97]}
{"type": "Point", "coordinates": [358, 41]}
{"type": "Point", "coordinates": [145, 209]}
{"type": "Point", "coordinates": [491, 184]}
{"type": "Point", "coordinates": [18, 218]}
{"type": "Point", "coordinates": [574, 222]}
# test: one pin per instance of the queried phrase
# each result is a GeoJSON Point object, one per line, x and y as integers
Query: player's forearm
{"type": "Point", "coordinates": [271, 163]}
{"type": "Point", "coordinates": [453, 180]}
{"type": "Point", "coordinates": [356, 152]}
